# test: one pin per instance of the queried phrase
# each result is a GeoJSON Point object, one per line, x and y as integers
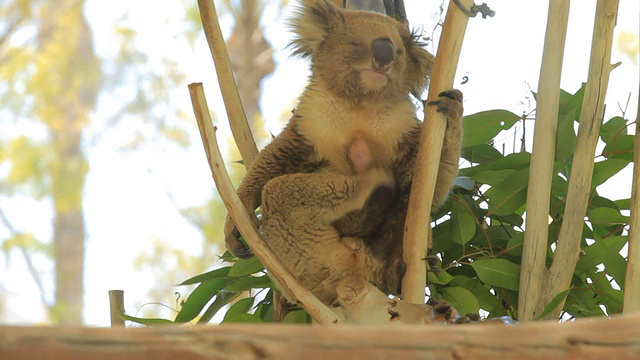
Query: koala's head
{"type": "Point", "coordinates": [360, 54]}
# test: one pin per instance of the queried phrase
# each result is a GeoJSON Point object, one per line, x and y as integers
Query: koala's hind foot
{"type": "Point", "coordinates": [298, 211]}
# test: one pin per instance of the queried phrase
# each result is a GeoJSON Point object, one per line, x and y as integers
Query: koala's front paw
{"type": "Point", "coordinates": [232, 240]}
{"type": "Point", "coordinates": [449, 103]}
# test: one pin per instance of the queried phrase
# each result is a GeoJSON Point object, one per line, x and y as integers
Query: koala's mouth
{"type": "Point", "coordinates": [373, 80]}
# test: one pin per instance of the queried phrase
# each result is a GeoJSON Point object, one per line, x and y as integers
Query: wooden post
{"type": "Point", "coordinates": [316, 309]}
{"type": "Point", "coordinates": [632, 280]}
{"type": "Point", "coordinates": [232, 102]}
{"type": "Point", "coordinates": [567, 252]}
{"type": "Point", "coordinates": [537, 222]}
{"type": "Point", "coordinates": [116, 307]}
{"type": "Point", "coordinates": [417, 231]}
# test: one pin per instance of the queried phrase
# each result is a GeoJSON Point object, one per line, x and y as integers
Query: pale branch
{"type": "Point", "coordinates": [232, 102]}
{"type": "Point", "coordinates": [417, 232]}
{"type": "Point", "coordinates": [567, 252]}
{"type": "Point", "coordinates": [632, 279]}
{"type": "Point", "coordinates": [364, 304]}
{"type": "Point", "coordinates": [595, 338]}
{"type": "Point", "coordinates": [534, 251]}
{"type": "Point", "coordinates": [316, 309]}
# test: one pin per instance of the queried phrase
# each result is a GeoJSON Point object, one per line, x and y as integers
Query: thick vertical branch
{"type": "Point", "coordinates": [316, 309]}
{"type": "Point", "coordinates": [632, 280]}
{"type": "Point", "coordinates": [237, 118]}
{"type": "Point", "coordinates": [417, 231]}
{"type": "Point", "coordinates": [541, 171]}
{"type": "Point", "coordinates": [566, 255]}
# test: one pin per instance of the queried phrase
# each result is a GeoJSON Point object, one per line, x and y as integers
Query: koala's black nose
{"type": "Point", "coordinates": [383, 52]}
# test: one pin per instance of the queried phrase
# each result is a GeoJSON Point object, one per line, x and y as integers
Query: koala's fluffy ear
{"type": "Point", "coordinates": [311, 24]}
{"type": "Point", "coordinates": [419, 63]}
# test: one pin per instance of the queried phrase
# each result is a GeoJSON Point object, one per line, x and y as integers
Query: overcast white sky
{"type": "Point", "coordinates": [126, 206]}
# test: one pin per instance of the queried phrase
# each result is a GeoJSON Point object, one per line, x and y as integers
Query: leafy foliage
{"type": "Point", "coordinates": [479, 232]}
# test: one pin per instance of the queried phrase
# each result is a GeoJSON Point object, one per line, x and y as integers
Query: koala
{"type": "Point", "coordinates": [334, 184]}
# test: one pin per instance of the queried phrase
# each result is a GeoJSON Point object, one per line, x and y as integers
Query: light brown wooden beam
{"type": "Point", "coordinates": [617, 338]}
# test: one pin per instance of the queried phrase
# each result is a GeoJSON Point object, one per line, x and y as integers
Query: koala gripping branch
{"type": "Point", "coordinates": [316, 309]}
{"type": "Point", "coordinates": [417, 231]}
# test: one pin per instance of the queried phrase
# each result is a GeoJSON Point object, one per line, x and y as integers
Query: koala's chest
{"type": "Point", "coordinates": [332, 131]}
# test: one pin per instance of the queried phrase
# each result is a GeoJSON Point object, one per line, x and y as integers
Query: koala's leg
{"type": "Point", "coordinates": [449, 103]}
{"type": "Point", "coordinates": [297, 215]}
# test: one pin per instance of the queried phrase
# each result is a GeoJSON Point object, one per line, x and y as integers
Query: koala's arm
{"type": "Point", "coordinates": [450, 104]}
{"type": "Point", "coordinates": [288, 153]}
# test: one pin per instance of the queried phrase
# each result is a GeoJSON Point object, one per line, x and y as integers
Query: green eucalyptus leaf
{"type": "Point", "coordinates": [243, 318]}
{"type": "Point", "coordinates": [241, 307]}
{"type": "Point", "coordinates": [481, 154]}
{"type": "Point", "coordinates": [553, 303]}
{"type": "Point", "coordinates": [620, 148]}
{"type": "Point", "coordinates": [250, 282]}
{"type": "Point", "coordinates": [214, 274]}
{"type": "Point", "coordinates": [510, 194]}
{"type": "Point", "coordinates": [493, 177]}
{"type": "Point", "coordinates": [440, 278]}
{"type": "Point", "coordinates": [465, 182]}
{"type": "Point", "coordinates": [297, 317]}
{"type": "Point", "coordinates": [596, 252]}
{"type": "Point", "coordinates": [515, 161]}
{"type": "Point", "coordinates": [604, 170]}
{"type": "Point", "coordinates": [565, 137]}
{"type": "Point", "coordinates": [200, 296]}
{"type": "Point", "coordinates": [613, 129]}
{"type": "Point", "coordinates": [514, 246]}
{"type": "Point", "coordinates": [222, 298]}
{"type": "Point", "coordinates": [461, 299]}
{"type": "Point", "coordinates": [482, 127]}
{"type": "Point", "coordinates": [463, 224]}
{"type": "Point", "coordinates": [498, 272]}
{"type": "Point", "coordinates": [246, 267]}
{"type": "Point", "coordinates": [571, 103]}
{"type": "Point", "coordinates": [606, 295]}
{"type": "Point", "coordinates": [607, 215]}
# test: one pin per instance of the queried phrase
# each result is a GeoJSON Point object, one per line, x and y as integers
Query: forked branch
{"type": "Point", "coordinates": [316, 309]}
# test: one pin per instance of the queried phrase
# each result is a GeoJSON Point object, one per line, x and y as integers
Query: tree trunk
{"type": "Point", "coordinates": [65, 86]}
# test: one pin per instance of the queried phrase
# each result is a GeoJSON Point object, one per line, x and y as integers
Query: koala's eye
{"type": "Point", "coordinates": [355, 44]}
{"type": "Point", "coordinates": [399, 51]}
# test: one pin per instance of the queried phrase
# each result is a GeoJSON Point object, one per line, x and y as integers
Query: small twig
{"type": "Point", "coordinates": [475, 9]}
{"type": "Point", "coordinates": [27, 259]}
{"type": "Point", "coordinates": [316, 309]}
{"type": "Point", "coordinates": [116, 307]}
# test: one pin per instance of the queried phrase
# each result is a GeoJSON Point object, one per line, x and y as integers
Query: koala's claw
{"type": "Point", "coordinates": [236, 247]}
{"type": "Point", "coordinates": [452, 94]}
{"type": "Point", "coordinates": [441, 307]}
